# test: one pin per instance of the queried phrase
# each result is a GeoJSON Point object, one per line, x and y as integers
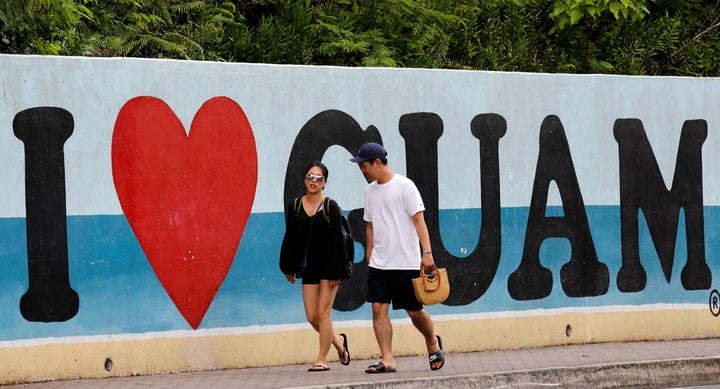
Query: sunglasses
{"type": "Point", "coordinates": [316, 178]}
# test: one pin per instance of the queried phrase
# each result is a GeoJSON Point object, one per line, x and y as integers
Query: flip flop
{"type": "Point", "coordinates": [318, 367]}
{"type": "Point", "coordinates": [345, 351]}
{"type": "Point", "coordinates": [379, 368]}
{"type": "Point", "coordinates": [437, 356]}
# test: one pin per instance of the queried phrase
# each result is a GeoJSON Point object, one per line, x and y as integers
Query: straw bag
{"type": "Point", "coordinates": [433, 288]}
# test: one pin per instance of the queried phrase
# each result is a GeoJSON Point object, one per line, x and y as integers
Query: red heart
{"type": "Point", "coordinates": [187, 197]}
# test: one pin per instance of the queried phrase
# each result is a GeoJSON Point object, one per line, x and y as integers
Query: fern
{"type": "Point", "coordinates": [654, 37]}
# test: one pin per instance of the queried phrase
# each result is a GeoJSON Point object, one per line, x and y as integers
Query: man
{"type": "Point", "coordinates": [394, 213]}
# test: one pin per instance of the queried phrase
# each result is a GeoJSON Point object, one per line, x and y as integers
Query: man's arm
{"type": "Point", "coordinates": [424, 236]}
{"type": "Point", "coordinates": [368, 241]}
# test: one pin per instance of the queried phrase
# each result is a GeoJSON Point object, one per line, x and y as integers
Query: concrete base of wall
{"type": "Point", "coordinates": [73, 358]}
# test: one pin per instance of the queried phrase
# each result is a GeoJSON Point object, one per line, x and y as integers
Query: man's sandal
{"type": "Point", "coordinates": [437, 356]}
{"type": "Point", "coordinates": [379, 368]}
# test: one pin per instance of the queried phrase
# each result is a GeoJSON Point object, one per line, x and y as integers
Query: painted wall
{"type": "Point", "coordinates": [141, 210]}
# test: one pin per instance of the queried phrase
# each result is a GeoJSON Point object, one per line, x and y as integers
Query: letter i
{"type": "Point", "coordinates": [44, 131]}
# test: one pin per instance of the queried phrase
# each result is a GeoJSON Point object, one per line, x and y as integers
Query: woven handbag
{"type": "Point", "coordinates": [433, 288]}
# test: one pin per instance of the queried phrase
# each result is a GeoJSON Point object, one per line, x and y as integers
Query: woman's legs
{"type": "Point", "coordinates": [311, 293]}
{"type": "Point", "coordinates": [318, 300]}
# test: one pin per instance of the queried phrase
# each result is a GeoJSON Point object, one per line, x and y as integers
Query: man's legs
{"type": "Point", "coordinates": [383, 333]}
{"type": "Point", "coordinates": [422, 321]}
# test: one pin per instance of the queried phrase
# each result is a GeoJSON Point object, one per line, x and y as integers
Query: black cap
{"type": "Point", "coordinates": [370, 152]}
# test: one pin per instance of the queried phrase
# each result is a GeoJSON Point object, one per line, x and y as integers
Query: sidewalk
{"type": "Point", "coordinates": [639, 364]}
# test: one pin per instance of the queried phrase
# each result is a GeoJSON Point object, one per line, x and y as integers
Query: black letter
{"type": "Point", "coordinates": [44, 130]}
{"type": "Point", "coordinates": [470, 277]}
{"type": "Point", "coordinates": [328, 128]}
{"type": "Point", "coordinates": [584, 275]}
{"type": "Point", "coordinates": [642, 186]}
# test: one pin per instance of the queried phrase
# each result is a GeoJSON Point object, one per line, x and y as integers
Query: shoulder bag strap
{"type": "Point", "coordinates": [326, 209]}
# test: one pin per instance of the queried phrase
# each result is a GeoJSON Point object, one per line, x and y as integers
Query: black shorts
{"type": "Point", "coordinates": [310, 279]}
{"type": "Point", "coordinates": [311, 276]}
{"type": "Point", "coordinates": [393, 286]}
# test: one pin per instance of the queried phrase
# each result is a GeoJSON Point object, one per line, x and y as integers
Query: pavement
{"type": "Point", "coordinates": [657, 364]}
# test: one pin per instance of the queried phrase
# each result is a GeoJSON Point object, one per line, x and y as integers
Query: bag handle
{"type": "Point", "coordinates": [430, 281]}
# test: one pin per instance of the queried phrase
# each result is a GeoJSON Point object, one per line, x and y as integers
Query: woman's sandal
{"type": "Point", "coordinates": [437, 356]}
{"type": "Point", "coordinates": [345, 351]}
{"type": "Point", "coordinates": [318, 367]}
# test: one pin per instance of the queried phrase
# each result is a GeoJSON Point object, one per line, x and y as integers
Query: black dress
{"type": "Point", "coordinates": [324, 259]}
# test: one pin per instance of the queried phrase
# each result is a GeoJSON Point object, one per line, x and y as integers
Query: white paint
{"type": "Point", "coordinates": [279, 100]}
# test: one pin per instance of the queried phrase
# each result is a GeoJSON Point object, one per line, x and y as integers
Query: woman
{"type": "Point", "coordinates": [309, 233]}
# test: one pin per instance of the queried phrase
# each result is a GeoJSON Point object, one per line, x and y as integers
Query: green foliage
{"type": "Point", "coordinates": [40, 26]}
{"type": "Point", "coordinates": [643, 37]}
{"type": "Point", "coordinates": [275, 32]}
{"type": "Point", "coordinates": [571, 12]}
{"type": "Point", "coordinates": [161, 28]}
{"type": "Point", "coordinates": [347, 33]}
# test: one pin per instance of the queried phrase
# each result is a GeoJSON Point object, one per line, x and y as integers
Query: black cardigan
{"type": "Point", "coordinates": [325, 251]}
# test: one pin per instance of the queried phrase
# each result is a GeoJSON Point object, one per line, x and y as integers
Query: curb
{"type": "Point", "coordinates": [661, 373]}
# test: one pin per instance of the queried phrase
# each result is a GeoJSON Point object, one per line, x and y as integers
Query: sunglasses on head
{"type": "Point", "coordinates": [314, 177]}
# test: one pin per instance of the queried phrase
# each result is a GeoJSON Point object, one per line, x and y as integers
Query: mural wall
{"type": "Point", "coordinates": [141, 216]}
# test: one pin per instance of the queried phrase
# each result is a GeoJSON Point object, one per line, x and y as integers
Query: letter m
{"type": "Point", "coordinates": [642, 187]}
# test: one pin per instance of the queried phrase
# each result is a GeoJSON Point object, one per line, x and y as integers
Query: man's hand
{"type": "Point", "coordinates": [427, 261]}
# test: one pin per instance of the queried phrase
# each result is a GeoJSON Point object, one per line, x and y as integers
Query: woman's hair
{"type": "Point", "coordinates": [321, 166]}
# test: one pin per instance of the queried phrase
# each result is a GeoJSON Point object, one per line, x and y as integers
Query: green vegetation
{"type": "Point", "coordinates": [640, 37]}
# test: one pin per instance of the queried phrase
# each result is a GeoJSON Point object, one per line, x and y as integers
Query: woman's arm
{"type": "Point", "coordinates": [288, 258]}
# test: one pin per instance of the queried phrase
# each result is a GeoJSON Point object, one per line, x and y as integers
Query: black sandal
{"type": "Point", "coordinates": [379, 368]}
{"type": "Point", "coordinates": [437, 356]}
{"type": "Point", "coordinates": [345, 351]}
{"type": "Point", "coordinates": [318, 367]}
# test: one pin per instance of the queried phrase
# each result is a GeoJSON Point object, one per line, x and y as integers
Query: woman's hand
{"type": "Point", "coordinates": [334, 283]}
{"type": "Point", "coordinates": [290, 278]}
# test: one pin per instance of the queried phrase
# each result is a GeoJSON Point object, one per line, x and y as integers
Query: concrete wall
{"type": "Point", "coordinates": [141, 210]}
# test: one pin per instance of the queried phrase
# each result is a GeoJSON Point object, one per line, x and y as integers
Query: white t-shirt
{"type": "Point", "coordinates": [390, 208]}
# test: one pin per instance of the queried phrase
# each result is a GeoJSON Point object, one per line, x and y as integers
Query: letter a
{"type": "Point", "coordinates": [584, 275]}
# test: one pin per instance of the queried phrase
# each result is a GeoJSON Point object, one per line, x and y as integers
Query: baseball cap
{"type": "Point", "coordinates": [369, 152]}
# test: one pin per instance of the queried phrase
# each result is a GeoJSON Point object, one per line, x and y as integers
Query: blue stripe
{"type": "Point", "coordinates": [119, 292]}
